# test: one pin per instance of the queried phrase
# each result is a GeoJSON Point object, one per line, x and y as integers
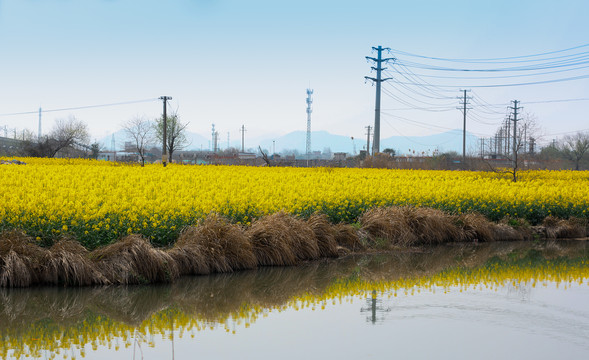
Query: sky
{"type": "Point", "coordinates": [235, 63]}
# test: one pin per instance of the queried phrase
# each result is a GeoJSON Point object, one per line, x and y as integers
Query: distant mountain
{"type": "Point", "coordinates": [322, 140]}
{"type": "Point", "coordinates": [195, 141]}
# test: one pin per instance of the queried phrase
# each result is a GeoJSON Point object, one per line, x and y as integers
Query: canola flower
{"type": "Point", "coordinates": [48, 339]}
{"type": "Point", "coordinates": [98, 202]}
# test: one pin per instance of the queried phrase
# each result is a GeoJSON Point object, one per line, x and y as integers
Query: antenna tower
{"type": "Point", "coordinates": [309, 111]}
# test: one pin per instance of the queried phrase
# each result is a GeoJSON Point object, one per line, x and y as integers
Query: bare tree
{"type": "Point", "coordinates": [575, 146]}
{"type": "Point", "coordinates": [175, 133]}
{"type": "Point", "coordinates": [69, 133]}
{"type": "Point", "coordinates": [517, 145]}
{"type": "Point", "coordinates": [140, 131]}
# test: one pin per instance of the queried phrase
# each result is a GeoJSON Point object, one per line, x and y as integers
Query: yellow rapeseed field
{"type": "Point", "coordinates": [98, 202]}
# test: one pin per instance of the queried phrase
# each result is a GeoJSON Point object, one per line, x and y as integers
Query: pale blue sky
{"type": "Point", "coordinates": [233, 62]}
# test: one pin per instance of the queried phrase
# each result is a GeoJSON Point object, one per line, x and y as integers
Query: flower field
{"type": "Point", "coordinates": [99, 202]}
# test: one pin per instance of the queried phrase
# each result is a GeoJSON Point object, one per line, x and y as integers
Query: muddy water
{"type": "Point", "coordinates": [498, 300]}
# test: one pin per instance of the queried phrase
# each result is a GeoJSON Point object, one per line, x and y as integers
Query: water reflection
{"type": "Point", "coordinates": [45, 322]}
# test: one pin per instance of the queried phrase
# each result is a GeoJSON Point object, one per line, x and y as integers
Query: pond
{"type": "Point", "coordinates": [485, 301]}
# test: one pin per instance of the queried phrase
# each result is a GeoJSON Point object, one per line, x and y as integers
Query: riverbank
{"type": "Point", "coordinates": [216, 245]}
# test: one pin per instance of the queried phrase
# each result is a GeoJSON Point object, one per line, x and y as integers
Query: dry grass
{"type": "Point", "coordinates": [559, 228]}
{"type": "Point", "coordinates": [302, 238]}
{"type": "Point", "coordinates": [133, 260]}
{"type": "Point", "coordinates": [217, 246]}
{"type": "Point", "coordinates": [67, 263]}
{"type": "Point", "coordinates": [271, 241]}
{"type": "Point", "coordinates": [476, 227]}
{"type": "Point", "coordinates": [222, 247]}
{"type": "Point", "coordinates": [20, 260]}
{"type": "Point", "coordinates": [432, 226]}
{"type": "Point", "coordinates": [325, 234]}
{"type": "Point", "coordinates": [347, 237]}
{"type": "Point", "coordinates": [407, 226]}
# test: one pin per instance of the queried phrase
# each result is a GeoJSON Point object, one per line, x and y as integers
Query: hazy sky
{"type": "Point", "coordinates": [233, 62]}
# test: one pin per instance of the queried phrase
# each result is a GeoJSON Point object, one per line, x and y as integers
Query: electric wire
{"type": "Point", "coordinates": [81, 107]}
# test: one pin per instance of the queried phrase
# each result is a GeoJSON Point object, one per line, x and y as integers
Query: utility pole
{"type": "Point", "coordinates": [242, 138]}
{"type": "Point", "coordinates": [482, 148]}
{"type": "Point", "coordinates": [165, 132]}
{"type": "Point", "coordinates": [368, 140]}
{"type": "Point", "coordinates": [378, 80]}
{"type": "Point", "coordinates": [515, 108]}
{"type": "Point", "coordinates": [464, 108]}
{"type": "Point", "coordinates": [227, 139]}
{"type": "Point", "coordinates": [508, 135]}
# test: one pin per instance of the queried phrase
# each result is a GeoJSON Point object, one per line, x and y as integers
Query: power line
{"type": "Point", "coordinates": [82, 107]}
{"type": "Point", "coordinates": [513, 84]}
{"type": "Point", "coordinates": [489, 59]}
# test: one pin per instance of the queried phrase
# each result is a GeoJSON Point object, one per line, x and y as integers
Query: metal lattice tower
{"type": "Point", "coordinates": [309, 111]}
{"type": "Point", "coordinates": [213, 139]}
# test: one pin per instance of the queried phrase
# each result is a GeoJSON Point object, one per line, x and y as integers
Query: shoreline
{"type": "Point", "coordinates": [216, 245]}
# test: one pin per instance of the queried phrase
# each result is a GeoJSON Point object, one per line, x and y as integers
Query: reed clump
{"type": "Point", "coordinates": [67, 263]}
{"type": "Point", "coordinates": [561, 228]}
{"type": "Point", "coordinates": [220, 245]}
{"type": "Point", "coordinates": [408, 226]}
{"type": "Point", "coordinates": [20, 260]}
{"type": "Point", "coordinates": [133, 260]}
{"type": "Point", "coordinates": [271, 240]}
{"type": "Point", "coordinates": [325, 233]}
{"type": "Point", "coordinates": [215, 245]}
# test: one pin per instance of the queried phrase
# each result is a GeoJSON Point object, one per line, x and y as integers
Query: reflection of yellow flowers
{"type": "Point", "coordinates": [97, 330]}
{"type": "Point", "coordinates": [98, 202]}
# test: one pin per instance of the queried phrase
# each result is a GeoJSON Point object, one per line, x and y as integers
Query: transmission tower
{"type": "Point", "coordinates": [309, 111]}
{"type": "Point", "coordinates": [378, 80]}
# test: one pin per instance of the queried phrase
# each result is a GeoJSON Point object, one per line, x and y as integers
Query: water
{"type": "Point", "coordinates": [504, 300]}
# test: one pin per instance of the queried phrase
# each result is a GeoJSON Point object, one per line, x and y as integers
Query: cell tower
{"type": "Point", "coordinates": [213, 138]}
{"type": "Point", "coordinates": [309, 111]}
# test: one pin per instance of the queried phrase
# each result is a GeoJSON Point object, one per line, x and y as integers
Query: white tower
{"type": "Point", "coordinates": [213, 139]}
{"type": "Point", "coordinates": [309, 111]}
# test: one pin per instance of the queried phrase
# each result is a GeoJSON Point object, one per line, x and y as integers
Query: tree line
{"type": "Point", "coordinates": [70, 138]}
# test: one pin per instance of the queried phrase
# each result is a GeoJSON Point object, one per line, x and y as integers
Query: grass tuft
{"type": "Point", "coordinates": [133, 260]}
